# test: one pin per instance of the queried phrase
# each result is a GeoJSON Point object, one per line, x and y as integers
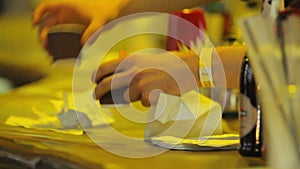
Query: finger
{"type": "Point", "coordinates": [150, 95]}
{"type": "Point", "coordinates": [115, 81]}
{"type": "Point", "coordinates": [126, 96]}
{"type": "Point", "coordinates": [44, 37]}
{"type": "Point", "coordinates": [145, 99]}
{"type": "Point", "coordinates": [136, 88]}
{"type": "Point", "coordinates": [133, 94]}
{"type": "Point", "coordinates": [93, 77]}
{"type": "Point", "coordinates": [41, 10]}
{"type": "Point", "coordinates": [144, 88]}
{"type": "Point", "coordinates": [102, 88]}
{"type": "Point", "coordinates": [90, 30]}
{"type": "Point", "coordinates": [38, 13]}
{"type": "Point", "coordinates": [45, 25]}
{"type": "Point", "coordinates": [154, 96]}
{"type": "Point", "coordinates": [106, 69]}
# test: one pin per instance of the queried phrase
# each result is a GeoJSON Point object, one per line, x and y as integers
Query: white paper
{"type": "Point", "coordinates": [191, 115]}
{"type": "Point", "coordinates": [215, 142]}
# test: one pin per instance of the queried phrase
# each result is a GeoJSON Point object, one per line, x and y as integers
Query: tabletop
{"type": "Point", "coordinates": [33, 148]}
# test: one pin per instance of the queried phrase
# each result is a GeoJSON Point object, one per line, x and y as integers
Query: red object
{"type": "Point", "coordinates": [227, 24]}
{"type": "Point", "coordinates": [185, 26]}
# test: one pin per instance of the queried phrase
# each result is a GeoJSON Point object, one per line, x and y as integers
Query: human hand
{"type": "Point", "coordinates": [93, 14]}
{"type": "Point", "coordinates": [148, 75]}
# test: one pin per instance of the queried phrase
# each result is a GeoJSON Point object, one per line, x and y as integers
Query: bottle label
{"type": "Point", "coordinates": [248, 115]}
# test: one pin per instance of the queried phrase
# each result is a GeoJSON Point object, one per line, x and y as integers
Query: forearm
{"type": "Point", "coordinates": [226, 65]}
{"type": "Point", "coordinates": [136, 6]}
{"type": "Point", "coordinates": [231, 58]}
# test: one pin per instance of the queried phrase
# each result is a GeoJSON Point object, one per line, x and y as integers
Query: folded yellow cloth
{"type": "Point", "coordinates": [63, 119]}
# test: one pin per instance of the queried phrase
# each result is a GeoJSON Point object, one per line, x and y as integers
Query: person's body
{"type": "Point", "coordinates": [95, 14]}
{"type": "Point", "coordinates": [230, 57]}
{"type": "Point", "coordinates": [147, 80]}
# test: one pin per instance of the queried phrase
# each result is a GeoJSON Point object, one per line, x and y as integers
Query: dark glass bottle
{"type": "Point", "coordinates": [250, 113]}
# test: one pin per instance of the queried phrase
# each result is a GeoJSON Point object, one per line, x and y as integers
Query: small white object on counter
{"type": "Point", "coordinates": [192, 115]}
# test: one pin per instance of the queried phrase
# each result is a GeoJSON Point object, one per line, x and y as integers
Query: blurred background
{"type": "Point", "coordinates": [23, 60]}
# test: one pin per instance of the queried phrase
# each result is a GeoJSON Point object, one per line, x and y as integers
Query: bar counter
{"type": "Point", "coordinates": [35, 148]}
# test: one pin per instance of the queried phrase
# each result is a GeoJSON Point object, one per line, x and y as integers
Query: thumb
{"type": "Point", "coordinates": [90, 30]}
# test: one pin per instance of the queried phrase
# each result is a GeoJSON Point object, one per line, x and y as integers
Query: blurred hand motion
{"type": "Point", "coordinates": [93, 14]}
{"type": "Point", "coordinates": [148, 75]}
